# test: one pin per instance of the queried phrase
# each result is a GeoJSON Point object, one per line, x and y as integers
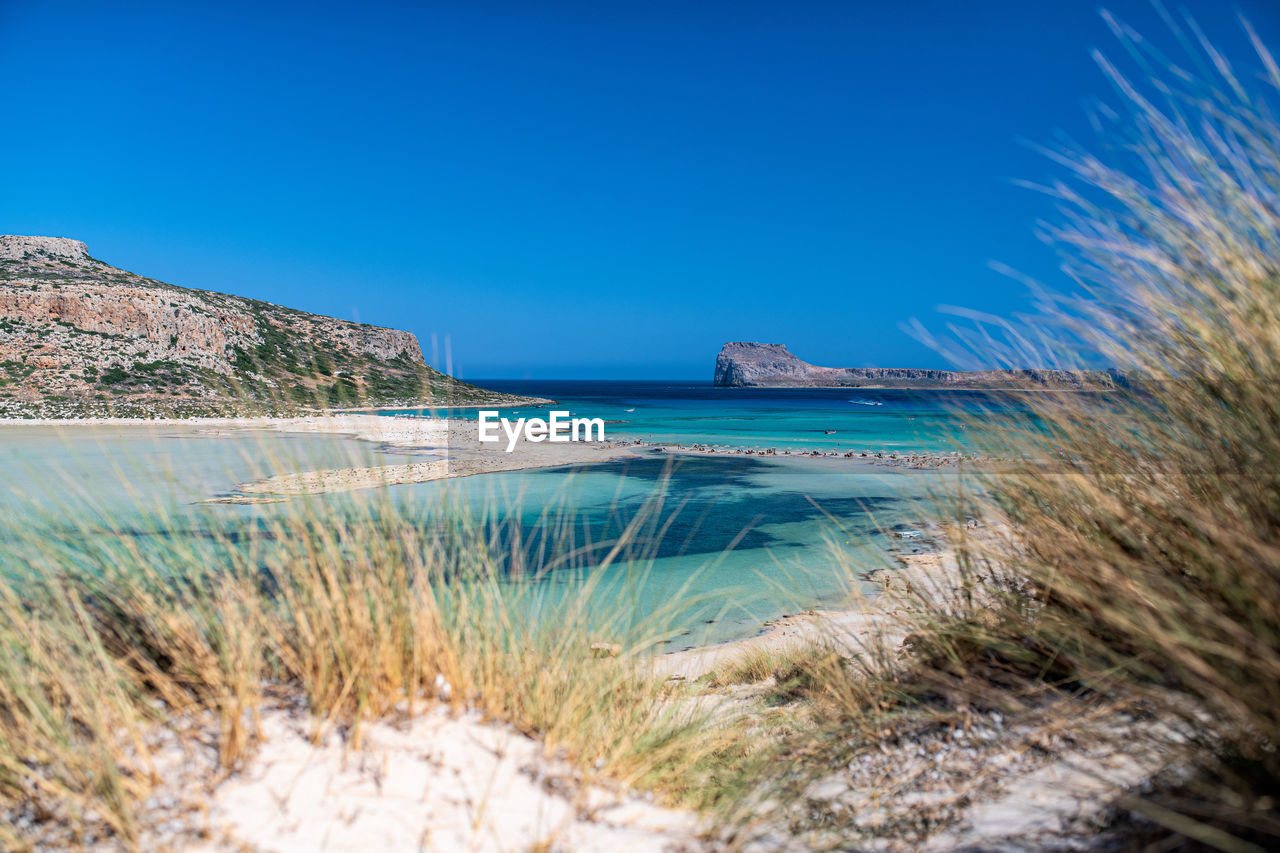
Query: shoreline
{"type": "Point", "coordinates": [251, 420]}
{"type": "Point", "coordinates": [532, 403]}
{"type": "Point", "coordinates": [850, 629]}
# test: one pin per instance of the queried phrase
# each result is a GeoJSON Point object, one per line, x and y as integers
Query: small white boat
{"type": "Point", "coordinates": [867, 402]}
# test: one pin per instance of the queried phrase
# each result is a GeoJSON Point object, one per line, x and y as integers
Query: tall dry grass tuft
{"type": "Point", "coordinates": [1123, 578]}
{"type": "Point", "coordinates": [364, 608]}
{"type": "Point", "coordinates": [1148, 522]}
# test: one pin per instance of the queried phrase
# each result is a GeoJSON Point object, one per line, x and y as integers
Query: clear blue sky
{"type": "Point", "coordinates": [585, 189]}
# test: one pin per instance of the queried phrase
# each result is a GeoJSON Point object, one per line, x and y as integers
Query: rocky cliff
{"type": "Point", "coordinates": [743, 364]}
{"type": "Point", "coordinates": [78, 336]}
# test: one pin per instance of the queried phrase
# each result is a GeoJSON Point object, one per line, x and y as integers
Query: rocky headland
{"type": "Point", "coordinates": [742, 364]}
{"type": "Point", "coordinates": [79, 337]}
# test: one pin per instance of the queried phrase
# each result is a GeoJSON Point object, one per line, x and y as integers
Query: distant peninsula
{"type": "Point", "coordinates": [743, 364]}
{"type": "Point", "coordinates": [79, 338]}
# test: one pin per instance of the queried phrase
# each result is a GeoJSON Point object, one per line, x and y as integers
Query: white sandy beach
{"type": "Point", "coordinates": [438, 781]}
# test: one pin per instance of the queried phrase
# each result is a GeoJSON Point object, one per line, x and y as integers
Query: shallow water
{"type": "Point", "coordinates": [108, 470]}
{"type": "Point", "coordinates": [744, 539]}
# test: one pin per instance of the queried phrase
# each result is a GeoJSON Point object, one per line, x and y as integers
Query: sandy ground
{"type": "Point", "coordinates": [436, 782]}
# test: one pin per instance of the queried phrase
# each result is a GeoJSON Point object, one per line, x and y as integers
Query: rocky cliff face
{"type": "Point", "coordinates": [743, 364]}
{"type": "Point", "coordinates": [16, 248]}
{"type": "Point", "coordinates": [80, 337]}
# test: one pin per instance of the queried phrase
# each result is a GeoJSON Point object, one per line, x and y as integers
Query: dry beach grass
{"type": "Point", "coordinates": [1128, 579]}
{"type": "Point", "coordinates": [114, 646]}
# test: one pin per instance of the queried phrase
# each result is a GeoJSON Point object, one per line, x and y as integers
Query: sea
{"type": "Point", "coordinates": [824, 419]}
{"type": "Point", "coordinates": [730, 540]}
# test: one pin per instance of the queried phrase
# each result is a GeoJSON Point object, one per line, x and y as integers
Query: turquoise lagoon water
{"type": "Point", "coordinates": [743, 538]}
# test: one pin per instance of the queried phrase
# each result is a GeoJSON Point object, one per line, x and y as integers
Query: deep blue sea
{"type": "Point", "coordinates": [797, 418]}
